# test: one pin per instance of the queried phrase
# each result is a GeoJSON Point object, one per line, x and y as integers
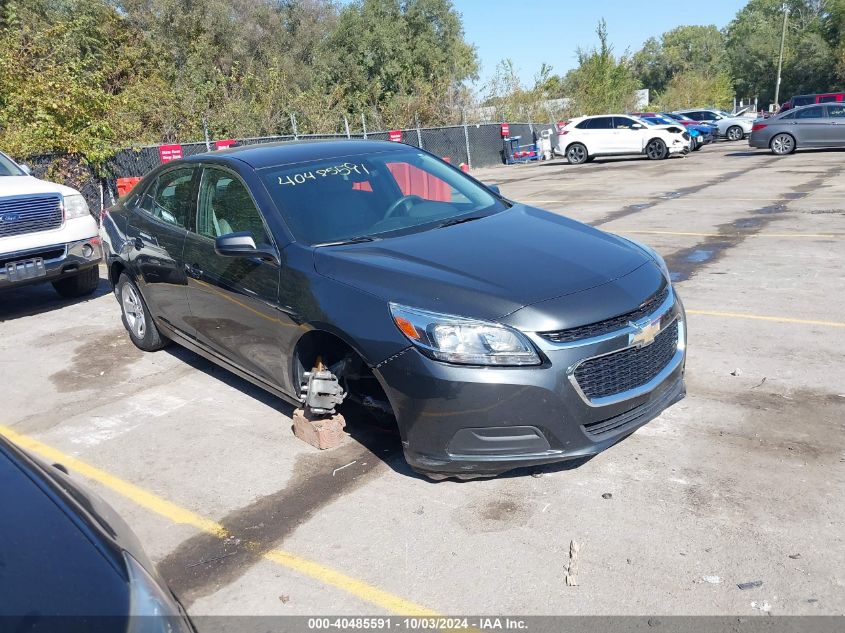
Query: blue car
{"type": "Point", "coordinates": [708, 131]}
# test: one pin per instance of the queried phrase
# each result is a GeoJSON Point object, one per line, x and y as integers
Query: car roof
{"type": "Point", "coordinates": [293, 152]}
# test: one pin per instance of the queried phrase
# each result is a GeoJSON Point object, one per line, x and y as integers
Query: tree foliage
{"type": "Point", "coordinates": [88, 76]}
{"type": "Point", "coordinates": [686, 49]}
{"type": "Point", "coordinates": [602, 82]}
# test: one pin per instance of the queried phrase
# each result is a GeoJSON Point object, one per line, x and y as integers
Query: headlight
{"type": "Point", "coordinates": [463, 341]}
{"type": "Point", "coordinates": [75, 207]}
{"type": "Point", "coordinates": [648, 250]}
{"type": "Point", "coordinates": [151, 607]}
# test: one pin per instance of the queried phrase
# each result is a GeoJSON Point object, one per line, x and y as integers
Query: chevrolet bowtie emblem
{"type": "Point", "coordinates": [9, 217]}
{"type": "Point", "coordinates": [645, 332]}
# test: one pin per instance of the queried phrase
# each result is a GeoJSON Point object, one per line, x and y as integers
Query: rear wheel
{"type": "Point", "coordinates": [577, 154]}
{"type": "Point", "coordinates": [782, 144]}
{"type": "Point", "coordinates": [136, 317]}
{"type": "Point", "coordinates": [79, 285]}
{"type": "Point", "coordinates": [656, 149]}
{"type": "Point", "coordinates": [735, 133]}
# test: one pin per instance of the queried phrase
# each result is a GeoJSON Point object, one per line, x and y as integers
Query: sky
{"type": "Point", "coordinates": [531, 32]}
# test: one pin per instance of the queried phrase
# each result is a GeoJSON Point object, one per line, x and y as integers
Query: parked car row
{"type": "Point", "coordinates": [657, 135]}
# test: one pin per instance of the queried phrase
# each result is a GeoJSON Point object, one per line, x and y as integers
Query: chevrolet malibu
{"type": "Point", "coordinates": [495, 334]}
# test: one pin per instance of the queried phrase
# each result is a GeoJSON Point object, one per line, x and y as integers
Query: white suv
{"type": "Point", "coordinates": [584, 138]}
{"type": "Point", "coordinates": [46, 234]}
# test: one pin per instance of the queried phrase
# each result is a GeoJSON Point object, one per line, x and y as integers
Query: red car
{"type": "Point", "coordinates": [802, 100]}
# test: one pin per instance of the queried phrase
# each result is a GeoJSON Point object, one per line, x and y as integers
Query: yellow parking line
{"type": "Point", "coordinates": [326, 575]}
{"type": "Point", "coordinates": [726, 235]}
{"type": "Point", "coordinates": [758, 317]}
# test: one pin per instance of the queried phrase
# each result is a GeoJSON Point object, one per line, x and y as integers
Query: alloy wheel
{"type": "Point", "coordinates": [734, 133]}
{"type": "Point", "coordinates": [577, 154]}
{"type": "Point", "coordinates": [783, 144]}
{"type": "Point", "coordinates": [133, 310]}
{"type": "Point", "coordinates": [656, 149]}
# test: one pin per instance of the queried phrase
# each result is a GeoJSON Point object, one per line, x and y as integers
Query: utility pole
{"type": "Point", "coordinates": [780, 58]}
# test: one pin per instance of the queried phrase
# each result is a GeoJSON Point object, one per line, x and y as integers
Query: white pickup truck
{"type": "Point", "coordinates": [47, 234]}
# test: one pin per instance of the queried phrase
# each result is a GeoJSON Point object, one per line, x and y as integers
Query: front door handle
{"type": "Point", "coordinates": [193, 270]}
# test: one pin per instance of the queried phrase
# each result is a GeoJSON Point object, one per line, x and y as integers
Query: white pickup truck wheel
{"type": "Point", "coordinates": [79, 285]}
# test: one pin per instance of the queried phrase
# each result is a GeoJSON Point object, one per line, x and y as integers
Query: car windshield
{"type": "Point", "coordinates": [8, 167]}
{"type": "Point", "coordinates": [373, 196]}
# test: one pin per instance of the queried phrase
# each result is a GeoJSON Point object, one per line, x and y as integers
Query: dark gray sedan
{"type": "Point", "coordinates": [495, 334]}
{"type": "Point", "coordinates": [810, 126]}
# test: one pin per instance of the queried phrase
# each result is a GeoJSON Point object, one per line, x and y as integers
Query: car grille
{"type": "Point", "coordinates": [631, 418]}
{"type": "Point", "coordinates": [609, 325]}
{"type": "Point", "coordinates": [629, 368]}
{"type": "Point", "coordinates": [30, 214]}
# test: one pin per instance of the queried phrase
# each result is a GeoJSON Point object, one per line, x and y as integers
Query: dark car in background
{"type": "Point", "coordinates": [804, 127]}
{"type": "Point", "coordinates": [68, 562]}
{"type": "Point", "coordinates": [498, 335]}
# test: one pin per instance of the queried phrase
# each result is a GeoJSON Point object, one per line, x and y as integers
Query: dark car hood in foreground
{"type": "Point", "coordinates": [487, 268]}
{"type": "Point", "coordinates": [49, 564]}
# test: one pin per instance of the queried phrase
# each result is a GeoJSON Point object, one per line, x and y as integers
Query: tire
{"type": "Point", "coordinates": [79, 285]}
{"type": "Point", "coordinates": [656, 149]}
{"type": "Point", "coordinates": [734, 133]}
{"type": "Point", "coordinates": [577, 154]}
{"type": "Point", "coordinates": [136, 317]}
{"type": "Point", "coordinates": [782, 144]}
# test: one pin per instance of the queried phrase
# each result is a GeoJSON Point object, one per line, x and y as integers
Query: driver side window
{"type": "Point", "coordinates": [225, 206]}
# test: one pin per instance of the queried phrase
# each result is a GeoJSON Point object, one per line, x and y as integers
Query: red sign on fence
{"type": "Point", "coordinates": [168, 153]}
{"type": "Point", "coordinates": [506, 130]}
{"type": "Point", "coordinates": [395, 135]}
{"type": "Point", "coordinates": [229, 142]}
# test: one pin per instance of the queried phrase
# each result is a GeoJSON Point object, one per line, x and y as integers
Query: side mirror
{"type": "Point", "coordinates": [242, 244]}
{"type": "Point", "coordinates": [494, 189]}
{"type": "Point", "coordinates": [25, 168]}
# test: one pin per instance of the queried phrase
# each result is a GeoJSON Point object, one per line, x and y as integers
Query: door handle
{"type": "Point", "coordinates": [193, 270]}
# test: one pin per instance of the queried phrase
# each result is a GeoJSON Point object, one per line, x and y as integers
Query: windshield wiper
{"type": "Point", "coordinates": [351, 240]}
{"type": "Point", "coordinates": [455, 221]}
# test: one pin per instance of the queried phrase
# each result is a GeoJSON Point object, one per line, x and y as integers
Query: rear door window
{"type": "Point", "coordinates": [816, 112]}
{"type": "Point", "coordinates": [827, 99]}
{"type": "Point", "coordinates": [801, 101]}
{"type": "Point", "coordinates": [168, 199]}
{"type": "Point", "coordinates": [602, 123]}
{"type": "Point", "coordinates": [836, 112]}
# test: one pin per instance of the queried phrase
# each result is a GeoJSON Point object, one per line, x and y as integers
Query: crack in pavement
{"type": "Point", "coordinates": [204, 563]}
{"type": "Point", "coordinates": [687, 261]}
{"type": "Point", "coordinates": [678, 193]}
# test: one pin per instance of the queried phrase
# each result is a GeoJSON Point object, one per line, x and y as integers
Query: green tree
{"type": "Point", "coordinates": [602, 83]}
{"type": "Point", "coordinates": [753, 44]}
{"type": "Point", "coordinates": [697, 49]}
{"type": "Point", "coordinates": [692, 89]}
{"type": "Point", "coordinates": [396, 57]}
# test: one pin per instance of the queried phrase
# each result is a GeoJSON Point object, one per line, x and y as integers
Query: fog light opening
{"type": "Point", "coordinates": [87, 250]}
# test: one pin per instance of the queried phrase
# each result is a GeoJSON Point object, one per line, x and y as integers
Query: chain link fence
{"type": "Point", "coordinates": [476, 145]}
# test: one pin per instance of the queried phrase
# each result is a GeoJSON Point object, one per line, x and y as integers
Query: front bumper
{"type": "Point", "coordinates": [49, 263]}
{"type": "Point", "coordinates": [482, 421]}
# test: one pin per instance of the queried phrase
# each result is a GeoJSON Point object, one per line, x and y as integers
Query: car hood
{"type": "Point", "coordinates": [487, 268]}
{"type": "Point", "coordinates": [22, 185]}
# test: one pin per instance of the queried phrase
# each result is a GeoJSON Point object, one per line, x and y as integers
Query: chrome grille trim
{"type": "Point", "coordinates": [31, 213]}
